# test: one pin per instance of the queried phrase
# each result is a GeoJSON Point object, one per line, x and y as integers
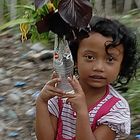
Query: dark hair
{"type": "Point", "coordinates": [120, 35]}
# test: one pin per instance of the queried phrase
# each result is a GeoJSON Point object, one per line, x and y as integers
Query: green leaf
{"type": "Point", "coordinates": [28, 7]}
{"type": "Point", "coordinates": [56, 2]}
{"type": "Point", "coordinates": [15, 22]}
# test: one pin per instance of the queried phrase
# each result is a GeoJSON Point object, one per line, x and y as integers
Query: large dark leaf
{"type": "Point", "coordinates": [53, 22]}
{"type": "Point", "coordinates": [44, 24]}
{"type": "Point", "coordinates": [76, 13]}
{"type": "Point", "coordinates": [39, 3]}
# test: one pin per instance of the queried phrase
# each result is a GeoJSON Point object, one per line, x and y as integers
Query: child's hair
{"type": "Point", "coordinates": [120, 35]}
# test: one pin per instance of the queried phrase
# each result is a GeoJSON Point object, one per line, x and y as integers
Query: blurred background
{"type": "Point", "coordinates": [25, 67]}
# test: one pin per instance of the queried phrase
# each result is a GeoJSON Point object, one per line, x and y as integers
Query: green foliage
{"type": "Point", "coordinates": [132, 19]}
{"type": "Point", "coordinates": [55, 2]}
{"type": "Point", "coordinates": [38, 37]}
{"type": "Point", "coordinates": [15, 22]}
{"type": "Point", "coordinates": [64, 21]}
{"type": "Point", "coordinates": [133, 94]}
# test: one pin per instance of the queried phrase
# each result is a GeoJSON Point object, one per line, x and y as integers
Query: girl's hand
{"type": "Point", "coordinates": [77, 100]}
{"type": "Point", "coordinates": [50, 90]}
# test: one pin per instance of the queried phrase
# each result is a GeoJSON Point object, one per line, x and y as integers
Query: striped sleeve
{"type": "Point", "coordinates": [118, 119]}
{"type": "Point", "coordinates": [53, 106]}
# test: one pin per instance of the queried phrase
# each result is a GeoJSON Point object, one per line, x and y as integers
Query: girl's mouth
{"type": "Point", "coordinates": [97, 77]}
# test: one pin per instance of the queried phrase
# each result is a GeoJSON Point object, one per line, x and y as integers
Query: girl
{"type": "Point", "coordinates": [96, 111]}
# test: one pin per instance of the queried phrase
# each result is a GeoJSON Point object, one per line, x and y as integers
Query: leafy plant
{"type": "Point", "coordinates": [62, 17]}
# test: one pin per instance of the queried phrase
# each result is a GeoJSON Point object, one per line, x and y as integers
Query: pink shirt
{"type": "Point", "coordinates": [117, 117]}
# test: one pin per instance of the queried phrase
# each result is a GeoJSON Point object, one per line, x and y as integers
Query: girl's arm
{"type": "Point", "coordinates": [45, 123]}
{"type": "Point", "coordinates": [84, 131]}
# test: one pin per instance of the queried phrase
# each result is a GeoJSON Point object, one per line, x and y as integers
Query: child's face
{"type": "Point", "coordinates": [96, 68]}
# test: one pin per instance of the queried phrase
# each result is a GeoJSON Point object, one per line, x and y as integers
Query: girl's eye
{"type": "Point", "coordinates": [89, 57]}
{"type": "Point", "coordinates": [110, 59]}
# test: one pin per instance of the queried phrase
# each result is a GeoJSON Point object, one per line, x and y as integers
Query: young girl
{"type": "Point", "coordinates": [96, 111]}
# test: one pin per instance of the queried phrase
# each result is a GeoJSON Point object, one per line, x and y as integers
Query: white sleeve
{"type": "Point", "coordinates": [118, 119]}
{"type": "Point", "coordinates": [53, 106]}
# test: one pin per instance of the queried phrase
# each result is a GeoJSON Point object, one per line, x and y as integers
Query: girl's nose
{"type": "Point", "coordinates": [98, 66]}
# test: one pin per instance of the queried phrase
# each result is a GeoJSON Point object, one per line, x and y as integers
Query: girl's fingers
{"type": "Point", "coordinates": [52, 94]}
{"type": "Point", "coordinates": [54, 75]}
{"type": "Point", "coordinates": [68, 95]}
{"type": "Point", "coordinates": [49, 88]}
{"type": "Point", "coordinates": [75, 84]}
{"type": "Point", "coordinates": [53, 81]}
{"type": "Point", "coordinates": [47, 94]}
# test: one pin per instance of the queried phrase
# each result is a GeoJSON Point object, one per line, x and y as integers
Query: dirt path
{"type": "Point", "coordinates": [20, 80]}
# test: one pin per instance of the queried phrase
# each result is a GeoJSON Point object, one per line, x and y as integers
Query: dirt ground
{"type": "Point", "coordinates": [21, 79]}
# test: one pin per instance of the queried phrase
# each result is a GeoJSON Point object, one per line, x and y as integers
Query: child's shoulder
{"type": "Point", "coordinates": [115, 93]}
{"type": "Point", "coordinates": [118, 117]}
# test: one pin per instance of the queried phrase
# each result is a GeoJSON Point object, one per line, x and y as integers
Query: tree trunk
{"type": "Point", "coordinates": [108, 7]}
{"type": "Point", "coordinates": [98, 6]}
{"type": "Point", "coordinates": [13, 11]}
{"type": "Point", "coordinates": [137, 3]}
{"type": "Point", "coordinates": [119, 6]}
{"type": "Point", "coordinates": [127, 5]}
